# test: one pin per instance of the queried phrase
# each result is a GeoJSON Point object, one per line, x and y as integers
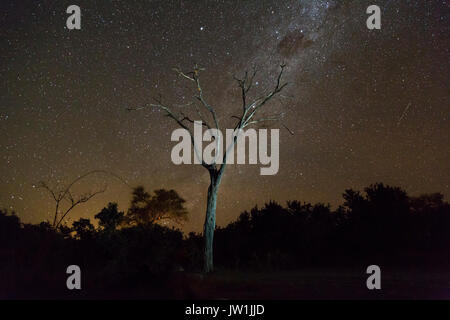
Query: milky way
{"type": "Point", "coordinates": [64, 96]}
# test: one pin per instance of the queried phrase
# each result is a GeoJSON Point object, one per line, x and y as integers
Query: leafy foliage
{"type": "Point", "coordinates": [110, 217]}
{"type": "Point", "coordinates": [147, 208]}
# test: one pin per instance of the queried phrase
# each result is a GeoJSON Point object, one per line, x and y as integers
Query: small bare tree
{"type": "Point", "coordinates": [64, 195]}
{"type": "Point", "coordinates": [250, 110]}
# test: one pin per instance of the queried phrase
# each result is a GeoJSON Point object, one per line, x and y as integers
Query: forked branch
{"type": "Point", "coordinates": [64, 194]}
{"type": "Point", "coordinates": [249, 110]}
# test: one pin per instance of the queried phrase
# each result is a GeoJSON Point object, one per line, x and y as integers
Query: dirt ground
{"type": "Point", "coordinates": [314, 284]}
{"type": "Point", "coordinates": [305, 284]}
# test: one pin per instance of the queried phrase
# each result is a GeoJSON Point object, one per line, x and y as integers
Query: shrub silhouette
{"type": "Point", "coordinates": [381, 223]}
{"type": "Point", "coordinates": [146, 208]}
{"type": "Point", "coordinates": [110, 217]}
{"type": "Point", "coordinates": [84, 228]}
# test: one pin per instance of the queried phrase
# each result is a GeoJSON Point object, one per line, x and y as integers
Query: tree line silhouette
{"type": "Point", "coordinates": [131, 249]}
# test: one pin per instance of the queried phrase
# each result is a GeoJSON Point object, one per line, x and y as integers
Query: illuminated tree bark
{"type": "Point", "coordinates": [210, 222]}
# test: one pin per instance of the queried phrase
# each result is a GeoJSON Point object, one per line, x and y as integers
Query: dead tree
{"type": "Point", "coordinates": [64, 195]}
{"type": "Point", "coordinates": [248, 117]}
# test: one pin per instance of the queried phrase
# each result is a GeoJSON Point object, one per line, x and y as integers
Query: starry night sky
{"type": "Point", "coordinates": [368, 105]}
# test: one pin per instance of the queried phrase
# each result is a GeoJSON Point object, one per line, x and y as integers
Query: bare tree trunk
{"type": "Point", "coordinates": [210, 220]}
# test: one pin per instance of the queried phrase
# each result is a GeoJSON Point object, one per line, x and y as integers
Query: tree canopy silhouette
{"type": "Point", "coordinates": [149, 208]}
{"type": "Point", "coordinates": [110, 217]}
{"type": "Point", "coordinates": [84, 228]}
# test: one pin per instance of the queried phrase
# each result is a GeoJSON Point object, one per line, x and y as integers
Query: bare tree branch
{"type": "Point", "coordinates": [65, 194]}
{"type": "Point", "coordinates": [277, 117]}
{"type": "Point", "coordinates": [289, 130]}
{"type": "Point", "coordinates": [251, 109]}
{"type": "Point", "coordinates": [82, 199]}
